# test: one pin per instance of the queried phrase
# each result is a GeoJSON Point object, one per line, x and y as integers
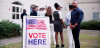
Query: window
{"type": "Point", "coordinates": [16, 10]}
{"type": "Point", "coordinates": [96, 16]}
{"type": "Point", "coordinates": [17, 15]}
{"type": "Point", "coordinates": [13, 16]}
{"type": "Point", "coordinates": [13, 10]}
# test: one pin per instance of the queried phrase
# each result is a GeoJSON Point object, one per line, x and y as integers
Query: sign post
{"type": "Point", "coordinates": [36, 32]}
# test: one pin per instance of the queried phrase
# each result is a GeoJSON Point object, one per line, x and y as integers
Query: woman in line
{"type": "Point", "coordinates": [58, 22]}
{"type": "Point", "coordinates": [49, 14]}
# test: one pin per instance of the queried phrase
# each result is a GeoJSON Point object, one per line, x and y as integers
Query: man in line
{"type": "Point", "coordinates": [69, 31]}
{"type": "Point", "coordinates": [76, 18]}
{"type": "Point", "coordinates": [34, 11]}
{"type": "Point", "coordinates": [22, 15]}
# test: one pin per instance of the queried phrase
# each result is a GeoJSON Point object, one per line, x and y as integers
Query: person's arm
{"type": "Point", "coordinates": [67, 19]}
{"type": "Point", "coordinates": [71, 25]}
{"type": "Point", "coordinates": [63, 23]}
{"type": "Point", "coordinates": [52, 18]}
{"type": "Point", "coordinates": [80, 17]}
{"type": "Point", "coordinates": [60, 15]}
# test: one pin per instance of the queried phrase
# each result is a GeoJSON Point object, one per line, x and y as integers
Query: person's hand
{"type": "Point", "coordinates": [64, 26]}
{"type": "Point", "coordinates": [76, 24]}
{"type": "Point", "coordinates": [72, 26]}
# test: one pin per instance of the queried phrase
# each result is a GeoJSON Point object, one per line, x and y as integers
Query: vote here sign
{"type": "Point", "coordinates": [36, 32]}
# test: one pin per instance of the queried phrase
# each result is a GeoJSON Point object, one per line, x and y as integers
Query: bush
{"type": "Point", "coordinates": [9, 29]}
{"type": "Point", "coordinates": [91, 25]}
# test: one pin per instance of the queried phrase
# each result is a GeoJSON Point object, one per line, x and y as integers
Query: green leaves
{"type": "Point", "coordinates": [9, 29]}
{"type": "Point", "coordinates": [91, 25]}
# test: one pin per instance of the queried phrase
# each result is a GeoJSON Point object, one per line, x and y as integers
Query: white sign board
{"type": "Point", "coordinates": [36, 32]}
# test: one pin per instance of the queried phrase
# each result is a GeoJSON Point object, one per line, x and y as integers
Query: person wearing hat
{"type": "Point", "coordinates": [58, 22]}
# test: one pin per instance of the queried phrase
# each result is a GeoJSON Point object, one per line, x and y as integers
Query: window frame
{"type": "Point", "coordinates": [98, 17]}
{"type": "Point", "coordinates": [20, 11]}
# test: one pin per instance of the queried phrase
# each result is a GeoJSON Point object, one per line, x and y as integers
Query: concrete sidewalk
{"type": "Point", "coordinates": [7, 41]}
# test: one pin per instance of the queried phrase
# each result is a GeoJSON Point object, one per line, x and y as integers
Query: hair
{"type": "Point", "coordinates": [71, 6]}
{"type": "Point", "coordinates": [35, 7]}
{"type": "Point", "coordinates": [24, 10]}
{"type": "Point", "coordinates": [75, 1]}
{"type": "Point", "coordinates": [41, 9]}
{"type": "Point", "coordinates": [49, 11]}
{"type": "Point", "coordinates": [56, 5]}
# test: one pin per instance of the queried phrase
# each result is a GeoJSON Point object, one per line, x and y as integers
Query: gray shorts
{"type": "Point", "coordinates": [58, 26]}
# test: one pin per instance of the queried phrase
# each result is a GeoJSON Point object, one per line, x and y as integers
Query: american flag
{"type": "Point", "coordinates": [36, 24]}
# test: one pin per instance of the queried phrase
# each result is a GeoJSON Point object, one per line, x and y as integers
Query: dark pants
{"type": "Point", "coordinates": [22, 23]}
{"type": "Point", "coordinates": [75, 33]}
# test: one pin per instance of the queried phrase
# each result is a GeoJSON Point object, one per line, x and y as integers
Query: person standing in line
{"type": "Point", "coordinates": [34, 11]}
{"type": "Point", "coordinates": [58, 22]}
{"type": "Point", "coordinates": [69, 31]}
{"type": "Point", "coordinates": [22, 15]}
{"type": "Point", "coordinates": [49, 14]}
{"type": "Point", "coordinates": [41, 12]}
{"type": "Point", "coordinates": [44, 9]}
{"type": "Point", "coordinates": [76, 18]}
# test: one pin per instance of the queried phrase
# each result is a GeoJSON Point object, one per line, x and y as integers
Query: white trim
{"type": "Point", "coordinates": [20, 10]}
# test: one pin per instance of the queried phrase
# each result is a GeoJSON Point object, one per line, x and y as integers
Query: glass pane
{"type": "Point", "coordinates": [13, 9]}
{"type": "Point", "coordinates": [95, 16]}
{"type": "Point", "coordinates": [13, 16]}
{"type": "Point", "coordinates": [17, 9]}
{"type": "Point", "coordinates": [17, 15]}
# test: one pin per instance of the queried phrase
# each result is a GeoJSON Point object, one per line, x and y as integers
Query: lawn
{"type": "Point", "coordinates": [89, 39]}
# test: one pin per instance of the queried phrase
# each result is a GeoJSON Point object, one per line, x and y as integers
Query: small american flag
{"type": "Point", "coordinates": [36, 24]}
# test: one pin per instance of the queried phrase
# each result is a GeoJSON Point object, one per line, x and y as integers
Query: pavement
{"type": "Point", "coordinates": [7, 41]}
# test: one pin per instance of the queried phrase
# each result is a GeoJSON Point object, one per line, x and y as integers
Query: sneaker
{"type": "Point", "coordinates": [57, 46]}
{"type": "Point", "coordinates": [62, 45]}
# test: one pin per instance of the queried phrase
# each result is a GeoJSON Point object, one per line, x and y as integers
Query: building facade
{"type": "Point", "coordinates": [90, 8]}
{"type": "Point", "coordinates": [12, 9]}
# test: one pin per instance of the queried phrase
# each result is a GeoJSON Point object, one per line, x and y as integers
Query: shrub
{"type": "Point", "coordinates": [91, 25]}
{"type": "Point", "coordinates": [9, 29]}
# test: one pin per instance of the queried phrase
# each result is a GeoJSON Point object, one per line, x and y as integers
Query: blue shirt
{"type": "Point", "coordinates": [33, 13]}
{"type": "Point", "coordinates": [76, 16]}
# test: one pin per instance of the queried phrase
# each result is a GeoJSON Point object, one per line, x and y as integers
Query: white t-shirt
{"type": "Point", "coordinates": [40, 13]}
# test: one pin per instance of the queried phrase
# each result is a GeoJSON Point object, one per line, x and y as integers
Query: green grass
{"type": "Point", "coordinates": [13, 45]}
{"type": "Point", "coordinates": [87, 40]}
